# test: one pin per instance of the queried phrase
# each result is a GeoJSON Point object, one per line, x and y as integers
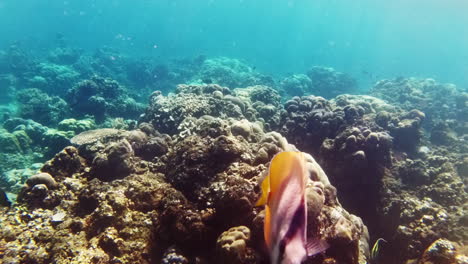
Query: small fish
{"type": "Point", "coordinates": [284, 197]}
{"type": "Point", "coordinates": [4, 201]}
{"type": "Point", "coordinates": [375, 250]}
{"type": "Point", "coordinates": [207, 81]}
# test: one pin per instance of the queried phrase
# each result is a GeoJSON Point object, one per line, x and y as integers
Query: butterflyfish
{"type": "Point", "coordinates": [285, 223]}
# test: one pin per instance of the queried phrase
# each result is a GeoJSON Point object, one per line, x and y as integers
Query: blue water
{"type": "Point", "coordinates": [369, 39]}
{"type": "Point", "coordinates": [69, 66]}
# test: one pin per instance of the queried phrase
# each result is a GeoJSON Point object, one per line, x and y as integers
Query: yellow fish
{"type": "Point", "coordinates": [284, 197]}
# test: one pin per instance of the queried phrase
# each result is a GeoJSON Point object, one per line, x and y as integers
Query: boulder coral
{"type": "Point", "coordinates": [297, 85]}
{"type": "Point", "coordinates": [167, 113]}
{"type": "Point", "coordinates": [328, 82]}
{"type": "Point", "coordinates": [230, 72]}
{"type": "Point", "coordinates": [439, 102]}
{"type": "Point", "coordinates": [40, 107]}
{"type": "Point", "coordinates": [101, 98]}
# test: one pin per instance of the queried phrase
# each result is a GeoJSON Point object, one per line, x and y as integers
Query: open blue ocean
{"type": "Point", "coordinates": [234, 131]}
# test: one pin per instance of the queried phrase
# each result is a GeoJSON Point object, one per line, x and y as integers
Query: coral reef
{"type": "Point", "coordinates": [77, 126]}
{"type": "Point", "coordinates": [102, 98]}
{"type": "Point", "coordinates": [199, 191]}
{"type": "Point", "coordinates": [374, 154]}
{"type": "Point", "coordinates": [24, 143]}
{"type": "Point", "coordinates": [440, 102]}
{"type": "Point", "coordinates": [53, 78]}
{"type": "Point", "coordinates": [16, 60]}
{"type": "Point", "coordinates": [232, 245]}
{"type": "Point", "coordinates": [7, 88]}
{"type": "Point", "coordinates": [42, 108]}
{"type": "Point", "coordinates": [170, 114]}
{"type": "Point", "coordinates": [177, 182]}
{"type": "Point", "coordinates": [423, 202]}
{"type": "Point", "coordinates": [65, 55]}
{"type": "Point", "coordinates": [442, 252]}
{"type": "Point", "coordinates": [328, 82]}
{"type": "Point", "coordinates": [230, 72]}
{"type": "Point", "coordinates": [297, 85]}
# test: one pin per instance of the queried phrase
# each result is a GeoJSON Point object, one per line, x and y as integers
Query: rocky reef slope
{"type": "Point", "coordinates": [179, 184]}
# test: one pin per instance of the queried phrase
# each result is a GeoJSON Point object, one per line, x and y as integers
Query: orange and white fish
{"type": "Point", "coordinates": [284, 197]}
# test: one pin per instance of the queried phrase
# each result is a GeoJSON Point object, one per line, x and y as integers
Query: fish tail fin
{"type": "Point", "coordinates": [316, 246]}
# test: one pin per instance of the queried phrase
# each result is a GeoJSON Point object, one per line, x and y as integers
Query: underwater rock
{"type": "Point", "coordinates": [41, 178]}
{"type": "Point", "coordinates": [407, 131]}
{"type": "Point", "coordinates": [441, 252]}
{"type": "Point", "coordinates": [359, 140]}
{"type": "Point", "coordinates": [115, 161]}
{"type": "Point", "coordinates": [12, 180]}
{"type": "Point", "coordinates": [202, 89]}
{"type": "Point", "coordinates": [343, 231]}
{"type": "Point", "coordinates": [113, 152]}
{"type": "Point", "coordinates": [119, 123]}
{"type": "Point", "coordinates": [148, 144]}
{"type": "Point", "coordinates": [167, 113]}
{"type": "Point", "coordinates": [462, 168]}
{"type": "Point", "coordinates": [441, 134]}
{"type": "Point", "coordinates": [17, 150]}
{"type": "Point", "coordinates": [249, 131]}
{"type": "Point", "coordinates": [65, 163]}
{"type": "Point", "coordinates": [92, 141]}
{"type": "Point", "coordinates": [195, 161]}
{"type": "Point", "coordinates": [172, 256]}
{"type": "Point", "coordinates": [55, 140]}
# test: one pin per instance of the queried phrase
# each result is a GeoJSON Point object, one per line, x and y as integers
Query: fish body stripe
{"type": "Point", "coordinates": [297, 224]}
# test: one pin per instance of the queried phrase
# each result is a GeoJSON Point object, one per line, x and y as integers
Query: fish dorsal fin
{"type": "Point", "coordinates": [315, 246]}
{"type": "Point", "coordinates": [280, 168]}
